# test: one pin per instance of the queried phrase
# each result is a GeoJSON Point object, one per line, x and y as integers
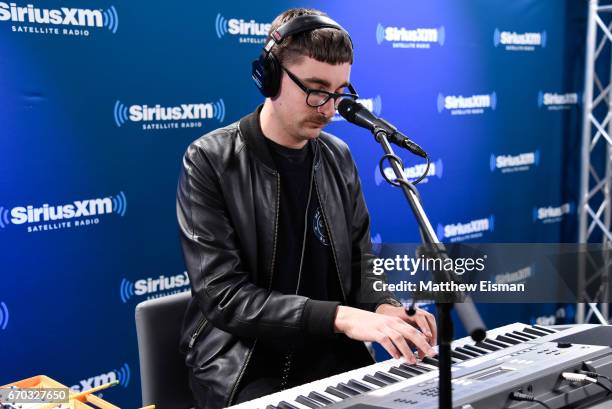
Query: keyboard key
{"type": "Point", "coordinates": [528, 336]}
{"type": "Point", "coordinates": [544, 329]}
{"type": "Point", "coordinates": [522, 339]}
{"type": "Point", "coordinates": [414, 369]}
{"type": "Point", "coordinates": [308, 402]}
{"type": "Point", "coordinates": [508, 340]}
{"type": "Point", "coordinates": [467, 352]}
{"type": "Point", "coordinates": [497, 342]}
{"type": "Point", "coordinates": [334, 391]}
{"type": "Point", "coordinates": [385, 377]}
{"type": "Point", "coordinates": [400, 372]}
{"type": "Point", "coordinates": [355, 384]}
{"type": "Point", "coordinates": [476, 349]}
{"type": "Point", "coordinates": [535, 332]}
{"type": "Point", "coordinates": [375, 381]}
{"type": "Point", "coordinates": [424, 368]}
{"type": "Point", "coordinates": [461, 356]}
{"type": "Point", "coordinates": [430, 361]}
{"type": "Point", "coordinates": [314, 395]}
{"type": "Point", "coordinates": [347, 389]}
{"type": "Point", "coordinates": [286, 405]}
{"type": "Point", "coordinates": [488, 346]}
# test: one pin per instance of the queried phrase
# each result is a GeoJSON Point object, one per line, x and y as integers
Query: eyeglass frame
{"type": "Point", "coordinates": [330, 95]}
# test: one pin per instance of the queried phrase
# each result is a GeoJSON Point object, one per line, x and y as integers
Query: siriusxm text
{"type": "Point", "coordinates": [459, 229]}
{"type": "Point", "coordinates": [251, 27]}
{"type": "Point", "coordinates": [79, 208]}
{"type": "Point", "coordinates": [158, 113]}
{"type": "Point", "coordinates": [61, 16]}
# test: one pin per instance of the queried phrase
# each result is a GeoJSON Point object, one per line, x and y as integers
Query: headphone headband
{"type": "Point", "coordinates": [303, 23]}
{"type": "Point", "coordinates": [298, 25]}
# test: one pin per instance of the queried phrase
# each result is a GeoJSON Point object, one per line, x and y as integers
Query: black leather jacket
{"type": "Point", "coordinates": [227, 209]}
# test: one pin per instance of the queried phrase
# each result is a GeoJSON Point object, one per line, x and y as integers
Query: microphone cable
{"type": "Point", "coordinates": [398, 183]}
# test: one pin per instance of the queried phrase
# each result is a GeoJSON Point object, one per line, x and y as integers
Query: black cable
{"type": "Point", "coordinates": [424, 173]}
{"type": "Point", "coordinates": [391, 157]}
{"type": "Point", "coordinates": [398, 160]}
{"type": "Point", "coordinates": [607, 388]}
{"type": "Point", "coordinates": [410, 186]}
{"type": "Point", "coordinates": [524, 397]}
{"type": "Point", "coordinates": [542, 403]}
{"type": "Point", "coordinates": [595, 375]}
{"type": "Point", "coordinates": [584, 379]}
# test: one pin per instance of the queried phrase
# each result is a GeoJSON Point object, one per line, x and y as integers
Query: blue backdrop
{"type": "Point", "coordinates": [98, 105]}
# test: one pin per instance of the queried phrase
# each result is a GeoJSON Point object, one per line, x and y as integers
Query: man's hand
{"type": "Point", "coordinates": [392, 332]}
{"type": "Point", "coordinates": [421, 320]}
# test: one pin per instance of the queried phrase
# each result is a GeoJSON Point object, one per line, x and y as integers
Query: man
{"type": "Point", "coordinates": [276, 234]}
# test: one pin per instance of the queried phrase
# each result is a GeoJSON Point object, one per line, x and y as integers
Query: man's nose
{"type": "Point", "coordinates": [328, 109]}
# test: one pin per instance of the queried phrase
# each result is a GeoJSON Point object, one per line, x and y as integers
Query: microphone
{"type": "Point", "coordinates": [359, 115]}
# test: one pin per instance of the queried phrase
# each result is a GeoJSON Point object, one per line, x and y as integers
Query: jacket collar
{"type": "Point", "coordinates": [254, 139]}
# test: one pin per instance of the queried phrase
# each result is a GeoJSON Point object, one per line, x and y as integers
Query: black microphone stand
{"type": "Point", "coordinates": [467, 312]}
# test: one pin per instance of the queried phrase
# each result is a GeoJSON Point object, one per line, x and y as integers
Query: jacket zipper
{"type": "Point", "coordinates": [250, 353]}
{"type": "Point", "coordinates": [331, 241]}
{"type": "Point", "coordinates": [289, 355]}
{"type": "Point", "coordinates": [305, 231]}
{"type": "Point", "coordinates": [197, 332]}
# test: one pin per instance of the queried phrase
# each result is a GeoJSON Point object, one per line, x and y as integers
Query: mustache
{"type": "Point", "coordinates": [318, 121]}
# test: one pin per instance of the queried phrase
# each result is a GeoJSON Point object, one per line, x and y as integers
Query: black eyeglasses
{"type": "Point", "coordinates": [316, 97]}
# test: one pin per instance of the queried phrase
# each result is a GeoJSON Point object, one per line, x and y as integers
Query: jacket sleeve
{"type": "Point", "coordinates": [219, 279]}
{"type": "Point", "coordinates": [366, 297]}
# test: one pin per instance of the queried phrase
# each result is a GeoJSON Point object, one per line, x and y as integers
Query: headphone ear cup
{"type": "Point", "coordinates": [266, 74]}
{"type": "Point", "coordinates": [258, 74]}
{"type": "Point", "coordinates": [273, 73]}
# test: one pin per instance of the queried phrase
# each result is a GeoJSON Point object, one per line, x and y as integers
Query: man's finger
{"type": "Point", "coordinates": [416, 338]}
{"type": "Point", "coordinates": [385, 341]}
{"type": "Point", "coordinates": [400, 343]}
{"type": "Point", "coordinates": [432, 325]}
{"type": "Point", "coordinates": [423, 325]}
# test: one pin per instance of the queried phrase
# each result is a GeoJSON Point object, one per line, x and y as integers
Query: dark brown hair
{"type": "Point", "coordinates": [327, 45]}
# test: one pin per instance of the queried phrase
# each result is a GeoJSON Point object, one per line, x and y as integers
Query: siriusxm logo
{"type": "Point", "coordinates": [461, 105]}
{"type": "Point", "coordinates": [122, 375]}
{"type": "Point", "coordinates": [513, 41]}
{"type": "Point", "coordinates": [373, 105]}
{"type": "Point", "coordinates": [550, 214]}
{"type": "Point", "coordinates": [553, 101]}
{"type": "Point", "coordinates": [153, 287]}
{"type": "Point", "coordinates": [4, 315]}
{"type": "Point", "coordinates": [465, 231]}
{"type": "Point", "coordinates": [63, 16]}
{"type": "Point", "coordinates": [514, 163]}
{"type": "Point", "coordinates": [62, 216]}
{"type": "Point", "coordinates": [158, 117]}
{"type": "Point", "coordinates": [520, 275]}
{"type": "Point", "coordinates": [248, 31]}
{"type": "Point", "coordinates": [401, 37]}
{"type": "Point", "coordinates": [436, 168]}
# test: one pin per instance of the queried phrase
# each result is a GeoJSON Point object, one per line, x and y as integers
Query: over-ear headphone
{"type": "Point", "coordinates": [266, 70]}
